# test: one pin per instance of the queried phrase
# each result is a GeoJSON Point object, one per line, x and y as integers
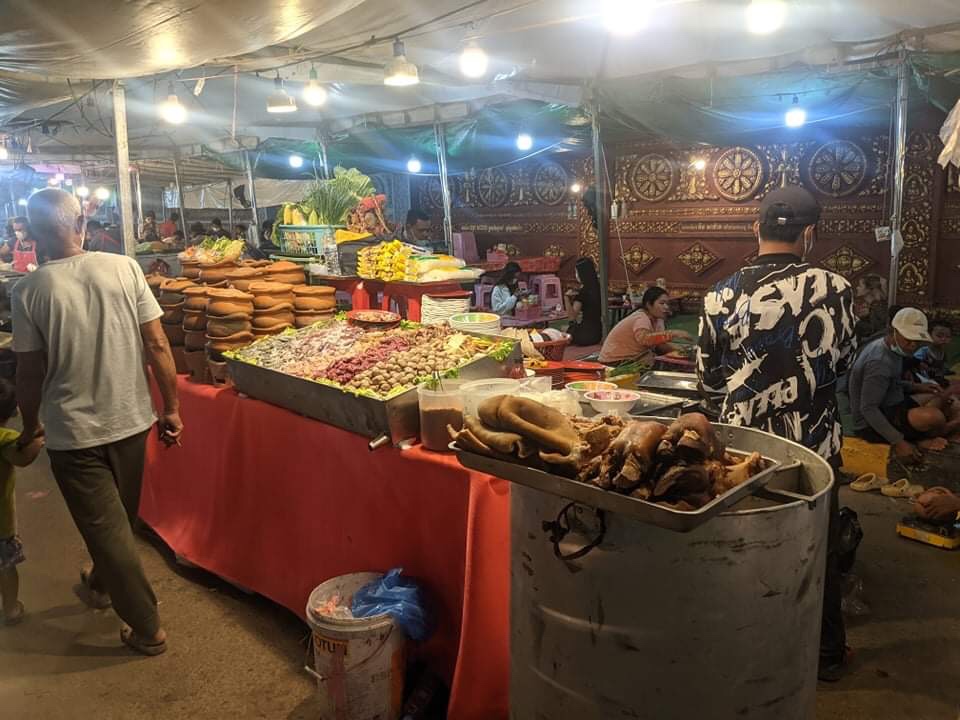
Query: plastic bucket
{"type": "Point", "coordinates": [438, 409]}
{"type": "Point", "coordinates": [359, 663]}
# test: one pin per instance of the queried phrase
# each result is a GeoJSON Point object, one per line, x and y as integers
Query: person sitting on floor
{"type": "Point", "coordinates": [880, 401]}
{"type": "Point", "coordinates": [643, 333]}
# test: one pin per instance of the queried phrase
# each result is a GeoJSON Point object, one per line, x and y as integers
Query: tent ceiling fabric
{"type": "Point", "coordinates": [543, 49]}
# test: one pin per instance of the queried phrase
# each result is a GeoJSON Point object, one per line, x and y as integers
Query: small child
{"type": "Point", "coordinates": [11, 549]}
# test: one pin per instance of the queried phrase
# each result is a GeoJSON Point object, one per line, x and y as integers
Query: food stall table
{"type": "Point", "coordinates": [540, 321]}
{"type": "Point", "coordinates": [278, 503]}
{"type": "Point", "coordinates": [361, 296]}
{"type": "Point", "coordinates": [409, 295]}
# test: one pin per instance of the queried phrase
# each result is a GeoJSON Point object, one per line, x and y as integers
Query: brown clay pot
{"type": "Point", "coordinates": [212, 274]}
{"type": "Point", "coordinates": [219, 372]}
{"type": "Point", "coordinates": [172, 314]}
{"type": "Point", "coordinates": [282, 266]}
{"type": "Point", "coordinates": [241, 278]}
{"type": "Point", "coordinates": [154, 281]}
{"type": "Point", "coordinates": [196, 361]}
{"type": "Point", "coordinates": [256, 263]}
{"type": "Point", "coordinates": [194, 339]}
{"type": "Point", "coordinates": [190, 269]}
{"type": "Point", "coordinates": [222, 327]}
{"type": "Point", "coordinates": [314, 304]}
{"type": "Point", "coordinates": [272, 330]}
{"type": "Point", "coordinates": [180, 360]}
{"type": "Point", "coordinates": [174, 333]}
{"type": "Point", "coordinates": [224, 301]}
{"type": "Point", "coordinates": [292, 278]}
{"type": "Point", "coordinates": [232, 342]}
{"type": "Point", "coordinates": [279, 315]}
{"type": "Point", "coordinates": [270, 294]}
{"type": "Point", "coordinates": [315, 291]}
{"type": "Point", "coordinates": [302, 319]}
{"type": "Point", "coordinates": [176, 285]}
{"type": "Point", "coordinates": [195, 299]}
{"type": "Point", "coordinates": [194, 320]}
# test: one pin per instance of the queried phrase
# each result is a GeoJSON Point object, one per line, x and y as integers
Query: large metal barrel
{"type": "Point", "coordinates": [716, 624]}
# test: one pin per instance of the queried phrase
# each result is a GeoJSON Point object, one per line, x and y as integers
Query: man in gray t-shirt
{"type": "Point", "coordinates": [85, 325]}
{"type": "Point", "coordinates": [880, 401]}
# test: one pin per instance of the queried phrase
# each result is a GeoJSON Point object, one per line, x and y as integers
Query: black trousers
{"type": "Point", "coordinates": [833, 632]}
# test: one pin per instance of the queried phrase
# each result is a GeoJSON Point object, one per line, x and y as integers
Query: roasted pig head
{"type": "Point", "coordinates": [690, 439]}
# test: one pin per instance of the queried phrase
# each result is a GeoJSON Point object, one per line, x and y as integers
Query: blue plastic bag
{"type": "Point", "coordinates": [401, 598]}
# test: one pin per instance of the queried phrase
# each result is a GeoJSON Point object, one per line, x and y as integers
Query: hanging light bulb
{"type": "Point", "coordinates": [626, 17]}
{"type": "Point", "coordinates": [766, 16]}
{"type": "Point", "coordinates": [278, 101]}
{"type": "Point", "coordinates": [796, 116]}
{"type": "Point", "coordinates": [414, 165]}
{"type": "Point", "coordinates": [400, 72]}
{"type": "Point", "coordinates": [524, 141]}
{"type": "Point", "coordinates": [53, 182]}
{"type": "Point", "coordinates": [314, 93]}
{"type": "Point", "coordinates": [473, 61]}
{"type": "Point", "coordinates": [296, 161]}
{"type": "Point", "coordinates": [170, 109]}
{"type": "Point", "coordinates": [699, 164]}
{"type": "Point", "coordinates": [101, 193]}
{"type": "Point", "coordinates": [576, 188]}
{"type": "Point", "coordinates": [83, 191]}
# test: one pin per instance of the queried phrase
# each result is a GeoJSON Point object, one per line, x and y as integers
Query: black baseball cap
{"type": "Point", "coordinates": [791, 205]}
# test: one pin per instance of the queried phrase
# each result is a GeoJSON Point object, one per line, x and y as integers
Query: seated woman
{"type": "Point", "coordinates": [583, 306]}
{"type": "Point", "coordinates": [642, 334]}
{"type": "Point", "coordinates": [507, 292]}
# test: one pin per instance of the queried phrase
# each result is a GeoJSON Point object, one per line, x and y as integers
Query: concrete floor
{"type": "Point", "coordinates": [234, 655]}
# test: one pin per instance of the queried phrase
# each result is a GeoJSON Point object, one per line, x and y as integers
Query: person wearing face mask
{"type": "Point", "coordinates": [24, 249]}
{"type": "Point", "coordinates": [880, 400]}
{"type": "Point", "coordinates": [774, 338]}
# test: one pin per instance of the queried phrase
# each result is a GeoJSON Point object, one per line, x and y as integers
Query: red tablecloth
{"type": "Point", "coordinates": [279, 503]}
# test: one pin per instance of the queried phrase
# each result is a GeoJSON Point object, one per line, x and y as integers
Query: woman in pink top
{"type": "Point", "coordinates": [641, 334]}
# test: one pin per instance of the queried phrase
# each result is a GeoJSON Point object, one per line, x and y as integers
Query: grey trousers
{"type": "Point", "coordinates": [101, 486]}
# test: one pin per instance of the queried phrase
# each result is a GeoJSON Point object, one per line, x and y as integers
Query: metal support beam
{"type": "Point", "coordinates": [176, 180]}
{"type": "Point", "coordinates": [441, 139]}
{"type": "Point", "coordinates": [323, 160]}
{"type": "Point", "coordinates": [603, 214]}
{"type": "Point", "coordinates": [899, 173]}
{"type": "Point", "coordinates": [252, 188]}
{"type": "Point", "coordinates": [139, 190]}
{"type": "Point", "coordinates": [230, 205]}
{"type": "Point", "coordinates": [124, 191]}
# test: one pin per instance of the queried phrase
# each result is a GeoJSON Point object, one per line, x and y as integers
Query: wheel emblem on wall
{"type": "Point", "coordinates": [493, 187]}
{"type": "Point", "coordinates": [653, 177]}
{"type": "Point", "coordinates": [433, 194]}
{"type": "Point", "coordinates": [838, 168]}
{"type": "Point", "coordinates": [550, 184]}
{"type": "Point", "coordinates": [738, 174]}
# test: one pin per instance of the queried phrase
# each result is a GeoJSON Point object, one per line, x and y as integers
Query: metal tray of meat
{"type": "Point", "coordinates": [677, 384]}
{"type": "Point", "coordinates": [739, 441]}
{"type": "Point", "coordinates": [397, 419]}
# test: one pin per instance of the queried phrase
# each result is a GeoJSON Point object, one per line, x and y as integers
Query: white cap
{"type": "Point", "coordinates": [912, 324]}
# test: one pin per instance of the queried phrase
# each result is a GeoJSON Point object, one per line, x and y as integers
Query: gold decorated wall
{"type": "Point", "coordinates": [691, 222]}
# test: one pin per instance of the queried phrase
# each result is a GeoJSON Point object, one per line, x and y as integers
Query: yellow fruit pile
{"type": "Point", "coordinates": [386, 261]}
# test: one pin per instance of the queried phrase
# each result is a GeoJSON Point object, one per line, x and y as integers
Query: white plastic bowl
{"type": "Point", "coordinates": [617, 402]}
{"type": "Point", "coordinates": [582, 387]}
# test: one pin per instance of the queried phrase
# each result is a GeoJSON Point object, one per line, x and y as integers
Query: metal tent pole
{"type": "Point", "coordinates": [183, 210]}
{"type": "Point", "coordinates": [899, 172]}
{"type": "Point", "coordinates": [603, 211]}
{"type": "Point", "coordinates": [230, 204]}
{"type": "Point", "coordinates": [123, 168]}
{"type": "Point", "coordinates": [441, 139]}
{"type": "Point", "coordinates": [139, 190]}
{"type": "Point", "coordinates": [253, 189]}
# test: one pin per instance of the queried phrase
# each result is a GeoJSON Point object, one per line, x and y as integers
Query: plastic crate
{"type": "Point", "coordinates": [308, 240]}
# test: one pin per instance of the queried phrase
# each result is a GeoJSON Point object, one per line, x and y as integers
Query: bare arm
{"type": "Point", "coordinates": [21, 456]}
{"type": "Point", "coordinates": [157, 351]}
{"type": "Point", "coordinates": [31, 369]}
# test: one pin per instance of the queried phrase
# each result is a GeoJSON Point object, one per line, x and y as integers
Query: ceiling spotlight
{"type": "Point", "coordinates": [314, 93]}
{"type": "Point", "coordinates": [796, 116]}
{"type": "Point", "coordinates": [400, 72]}
{"type": "Point", "coordinates": [473, 61]}
{"type": "Point", "coordinates": [626, 17]}
{"type": "Point", "coordinates": [83, 191]}
{"type": "Point", "coordinates": [296, 161]}
{"type": "Point", "coordinates": [170, 109]}
{"type": "Point", "coordinates": [414, 165]}
{"type": "Point", "coordinates": [22, 202]}
{"type": "Point", "coordinates": [59, 177]}
{"type": "Point", "coordinates": [524, 141]}
{"type": "Point", "coordinates": [278, 101]}
{"type": "Point", "coordinates": [101, 193]}
{"type": "Point", "coordinates": [53, 182]}
{"type": "Point", "coordinates": [576, 188]}
{"type": "Point", "coordinates": [699, 164]}
{"type": "Point", "coordinates": [766, 16]}
{"type": "Point", "coordinates": [4, 154]}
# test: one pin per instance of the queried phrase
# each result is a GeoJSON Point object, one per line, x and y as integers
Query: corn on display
{"type": "Point", "coordinates": [386, 261]}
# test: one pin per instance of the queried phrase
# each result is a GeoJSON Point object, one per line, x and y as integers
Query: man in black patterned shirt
{"type": "Point", "coordinates": [774, 337]}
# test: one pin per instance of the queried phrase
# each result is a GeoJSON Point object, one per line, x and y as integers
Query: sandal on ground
{"type": "Point", "coordinates": [142, 646]}
{"type": "Point", "coordinates": [91, 598]}
{"type": "Point", "coordinates": [868, 482]}
{"type": "Point", "coordinates": [902, 489]}
{"type": "Point", "coordinates": [16, 617]}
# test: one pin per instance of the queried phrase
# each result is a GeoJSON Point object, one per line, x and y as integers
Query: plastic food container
{"type": "Point", "coordinates": [477, 391]}
{"type": "Point", "coordinates": [619, 402]}
{"type": "Point", "coordinates": [438, 409]}
{"type": "Point", "coordinates": [582, 387]}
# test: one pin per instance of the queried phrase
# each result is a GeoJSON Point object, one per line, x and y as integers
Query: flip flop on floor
{"type": "Point", "coordinates": [144, 647]}
{"type": "Point", "coordinates": [16, 617]}
{"type": "Point", "coordinates": [868, 482]}
{"type": "Point", "coordinates": [90, 597]}
{"type": "Point", "coordinates": [902, 489]}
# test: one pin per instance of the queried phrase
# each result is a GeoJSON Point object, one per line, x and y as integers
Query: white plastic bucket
{"type": "Point", "coordinates": [360, 663]}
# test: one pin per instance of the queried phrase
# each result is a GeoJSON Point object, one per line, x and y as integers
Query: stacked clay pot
{"type": "Point", "coordinates": [312, 304]}
{"type": "Point", "coordinates": [195, 331]}
{"type": "Point", "coordinates": [229, 314]}
{"type": "Point", "coordinates": [241, 277]}
{"type": "Point", "coordinates": [190, 269]}
{"type": "Point", "coordinates": [171, 302]}
{"type": "Point", "coordinates": [285, 271]}
{"type": "Point", "coordinates": [215, 274]}
{"type": "Point", "coordinates": [272, 307]}
{"type": "Point", "coordinates": [154, 281]}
